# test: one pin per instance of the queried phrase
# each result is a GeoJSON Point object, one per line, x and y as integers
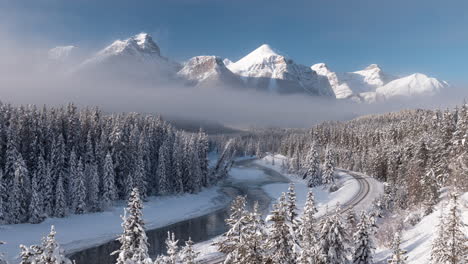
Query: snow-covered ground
{"type": "Point", "coordinates": [349, 187]}
{"type": "Point", "coordinates": [418, 239]}
{"type": "Point", "coordinates": [81, 231]}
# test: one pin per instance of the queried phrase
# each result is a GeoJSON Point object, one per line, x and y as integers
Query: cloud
{"type": "Point", "coordinates": [27, 78]}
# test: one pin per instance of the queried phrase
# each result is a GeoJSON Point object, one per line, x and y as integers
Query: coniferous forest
{"type": "Point", "coordinates": [60, 161]}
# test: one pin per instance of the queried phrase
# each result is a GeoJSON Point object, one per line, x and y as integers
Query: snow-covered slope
{"type": "Point", "coordinates": [136, 56]}
{"type": "Point", "coordinates": [348, 84]}
{"type": "Point", "coordinates": [413, 85]}
{"type": "Point", "coordinates": [208, 71]}
{"type": "Point", "coordinates": [265, 69]}
{"type": "Point", "coordinates": [373, 85]}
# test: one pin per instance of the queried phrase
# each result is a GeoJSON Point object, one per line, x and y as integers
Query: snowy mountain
{"type": "Point", "coordinates": [138, 56]}
{"type": "Point", "coordinates": [372, 84]}
{"type": "Point", "coordinates": [266, 70]}
{"type": "Point", "coordinates": [412, 85]}
{"type": "Point", "coordinates": [208, 71]}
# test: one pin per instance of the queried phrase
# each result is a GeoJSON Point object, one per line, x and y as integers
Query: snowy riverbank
{"type": "Point", "coordinates": [82, 231]}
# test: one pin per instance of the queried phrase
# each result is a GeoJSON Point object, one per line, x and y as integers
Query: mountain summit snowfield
{"type": "Point", "coordinates": [263, 69]}
{"type": "Point", "coordinates": [267, 70]}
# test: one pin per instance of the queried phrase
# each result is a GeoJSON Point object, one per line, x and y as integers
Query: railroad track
{"type": "Point", "coordinates": [364, 189]}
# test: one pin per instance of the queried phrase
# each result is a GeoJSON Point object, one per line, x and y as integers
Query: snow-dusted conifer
{"type": "Point", "coordinates": [93, 187]}
{"type": "Point", "coordinates": [231, 240]}
{"type": "Point", "coordinates": [172, 249]}
{"type": "Point", "coordinates": [430, 191]}
{"type": "Point", "coordinates": [312, 168]}
{"type": "Point", "coordinates": [60, 202]}
{"type": "Point", "coordinates": [51, 253]}
{"type": "Point", "coordinates": [134, 243]}
{"type": "Point", "coordinates": [333, 240]}
{"type": "Point", "coordinates": [163, 169]}
{"type": "Point", "coordinates": [328, 176]}
{"type": "Point", "coordinates": [363, 242]}
{"type": "Point", "coordinates": [456, 241]}
{"type": "Point", "coordinates": [109, 191]}
{"type": "Point", "coordinates": [188, 254]}
{"type": "Point", "coordinates": [79, 193]}
{"type": "Point", "coordinates": [280, 244]}
{"type": "Point", "coordinates": [307, 231]}
{"type": "Point", "coordinates": [254, 234]}
{"type": "Point", "coordinates": [398, 254]}
{"type": "Point", "coordinates": [35, 206]}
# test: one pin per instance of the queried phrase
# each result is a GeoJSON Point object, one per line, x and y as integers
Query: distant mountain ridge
{"type": "Point", "coordinates": [264, 69]}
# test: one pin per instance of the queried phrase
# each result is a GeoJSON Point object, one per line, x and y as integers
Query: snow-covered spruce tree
{"type": "Point", "coordinates": [279, 243]}
{"type": "Point", "coordinates": [46, 185]}
{"type": "Point", "coordinates": [109, 191]}
{"type": "Point", "coordinates": [16, 207]}
{"type": "Point", "coordinates": [93, 187]}
{"type": "Point", "coordinates": [430, 191]}
{"type": "Point", "coordinates": [60, 207]}
{"type": "Point", "coordinates": [363, 242]}
{"type": "Point", "coordinates": [328, 177]}
{"type": "Point", "coordinates": [232, 241]}
{"type": "Point", "coordinates": [254, 234]}
{"type": "Point", "coordinates": [134, 243]}
{"type": "Point", "coordinates": [312, 168]}
{"type": "Point", "coordinates": [351, 221]}
{"type": "Point", "coordinates": [164, 169]}
{"type": "Point", "coordinates": [333, 240]}
{"type": "Point", "coordinates": [439, 242]}
{"type": "Point", "coordinates": [79, 192]}
{"type": "Point", "coordinates": [36, 214]}
{"type": "Point", "coordinates": [456, 241]}
{"type": "Point", "coordinates": [292, 208]}
{"type": "Point", "coordinates": [398, 254]}
{"type": "Point", "coordinates": [50, 251]}
{"type": "Point", "coordinates": [172, 249]}
{"type": "Point", "coordinates": [307, 231]}
{"type": "Point", "coordinates": [188, 254]}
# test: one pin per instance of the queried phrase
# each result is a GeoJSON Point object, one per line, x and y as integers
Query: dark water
{"type": "Point", "coordinates": [200, 228]}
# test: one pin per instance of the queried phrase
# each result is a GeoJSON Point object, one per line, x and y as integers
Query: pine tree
{"type": "Point", "coordinates": [79, 193]}
{"type": "Point", "coordinates": [430, 191]}
{"type": "Point", "coordinates": [253, 234]}
{"type": "Point", "coordinates": [231, 243]}
{"type": "Point", "coordinates": [16, 207]}
{"type": "Point", "coordinates": [307, 231]}
{"type": "Point", "coordinates": [398, 255]}
{"type": "Point", "coordinates": [329, 170]}
{"type": "Point", "coordinates": [60, 202]}
{"type": "Point", "coordinates": [109, 192]}
{"type": "Point", "coordinates": [172, 249]}
{"type": "Point", "coordinates": [134, 243]}
{"type": "Point", "coordinates": [280, 244]}
{"type": "Point", "coordinates": [456, 241]}
{"type": "Point", "coordinates": [333, 240]}
{"type": "Point", "coordinates": [363, 243]}
{"type": "Point", "coordinates": [163, 170]}
{"type": "Point", "coordinates": [35, 205]}
{"type": "Point", "coordinates": [93, 187]}
{"type": "Point", "coordinates": [189, 255]}
{"type": "Point", "coordinates": [51, 253]}
{"type": "Point", "coordinates": [312, 168]}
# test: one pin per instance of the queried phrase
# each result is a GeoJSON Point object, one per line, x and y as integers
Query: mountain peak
{"type": "Point", "coordinates": [372, 67]}
{"type": "Point", "coordinates": [265, 50]}
{"type": "Point", "coordinates": [142, 42]}
{"type": "Point", "coordinates": [60, 53]}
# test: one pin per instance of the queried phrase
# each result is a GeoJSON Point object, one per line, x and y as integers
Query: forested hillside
{"type": "Point", "coordinates": [59, 161]}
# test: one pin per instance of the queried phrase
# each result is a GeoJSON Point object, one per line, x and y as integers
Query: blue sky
{"type": "Point", "coordinates": [407, 36]}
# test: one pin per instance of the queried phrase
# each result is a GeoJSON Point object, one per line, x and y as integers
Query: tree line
{"type": "Point", "coordinates": [60, 161]}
